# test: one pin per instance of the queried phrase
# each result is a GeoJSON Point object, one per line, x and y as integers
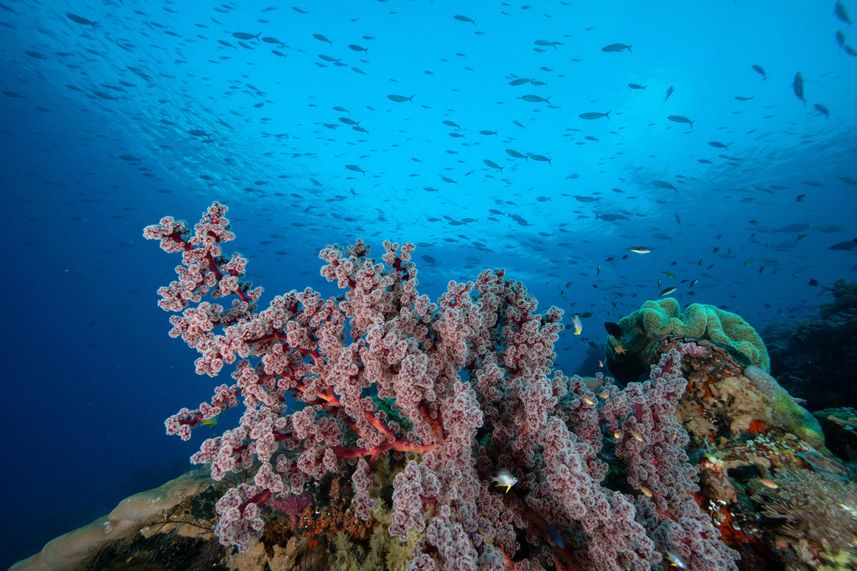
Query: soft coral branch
{"type": "Point", "coordinates": [472, 394]}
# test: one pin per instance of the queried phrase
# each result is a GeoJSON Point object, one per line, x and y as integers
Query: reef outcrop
{"type": "Point", "coordinates": [628, 357]}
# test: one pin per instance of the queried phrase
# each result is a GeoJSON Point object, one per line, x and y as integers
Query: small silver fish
{"type": "Point", "coordinates": [505, 479]}
{"type": "Point", "coordinates": [675, 561]}
{"type": "Point", "coordinates": [640, 249]}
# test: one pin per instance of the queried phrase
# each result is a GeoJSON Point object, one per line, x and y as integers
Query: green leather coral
{"type": "Point", "coordinates": [661, 318]}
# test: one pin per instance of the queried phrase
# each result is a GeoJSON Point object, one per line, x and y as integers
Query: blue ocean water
{"type": "Point", "coordinates": [478, 130]}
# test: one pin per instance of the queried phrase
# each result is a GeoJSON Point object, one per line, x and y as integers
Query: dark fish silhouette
{"type": "Point", "coordinates": [670, 91]}
{"type": "Point", "coordinates": [590, 115]}
{"type": "Point", "coordinates": [80, 20]}
{"type": "Point", "coordinates": [841, 12]}
{"type": "Point", "coordinates": [847, 245]}
{"type": "Point", "coordinates": [760, 70]}
{"type": "Point", "coordinates": [680, 119]}
{"type": "Point", "coordinates": [616, 48]}
{"type": "Point", "coordinates": [322, 38]}
{"type": "Point", "coordinates": [530, 98]}
{"type": "Point", "coordinates": [610, 217]}
{"type": "Point", "coordinates": [797, 86]}
{"type": "Point", "coordinates": [516, 154]}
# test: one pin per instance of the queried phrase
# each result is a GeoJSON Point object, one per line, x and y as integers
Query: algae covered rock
{"type": "Point", "coordinates": [775, 492]}
{"type": "Point", "coordinates": [726, 401]}
{"type": "Point", "coordinates": [784, 410]}
{"type": "Point", "coordinates": [630, 356]}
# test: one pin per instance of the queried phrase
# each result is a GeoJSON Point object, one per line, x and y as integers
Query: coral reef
{"type": "Point", "coordinates": [473, 376]}
{"type": "Point", "coordinates": [779, 501]}
{"type": "Point", "coordinates": [815, 358]}
{"type": "Point", "coordinates": [377, 426]}
{"type": "Point", "coordinates": [630, 356]}
{"type": "Point", "coordinates": [753, 445]}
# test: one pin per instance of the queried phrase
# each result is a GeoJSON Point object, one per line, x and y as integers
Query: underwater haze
{"type": "Point", "coordinates": [604, 153]}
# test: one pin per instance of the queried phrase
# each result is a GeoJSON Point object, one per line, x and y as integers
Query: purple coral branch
{"type": "Point", "coordinates": [473, 375]}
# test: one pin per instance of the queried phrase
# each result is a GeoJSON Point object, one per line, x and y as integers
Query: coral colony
{"type": "Point", "coordinates": [445, 396]}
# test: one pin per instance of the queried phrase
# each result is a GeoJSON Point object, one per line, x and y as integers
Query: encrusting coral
{"type": "Point", "coordinates": [630, 356]}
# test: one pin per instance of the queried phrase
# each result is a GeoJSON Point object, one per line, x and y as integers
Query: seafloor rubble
{"type": "Point", "coordinates": [775, 492]}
